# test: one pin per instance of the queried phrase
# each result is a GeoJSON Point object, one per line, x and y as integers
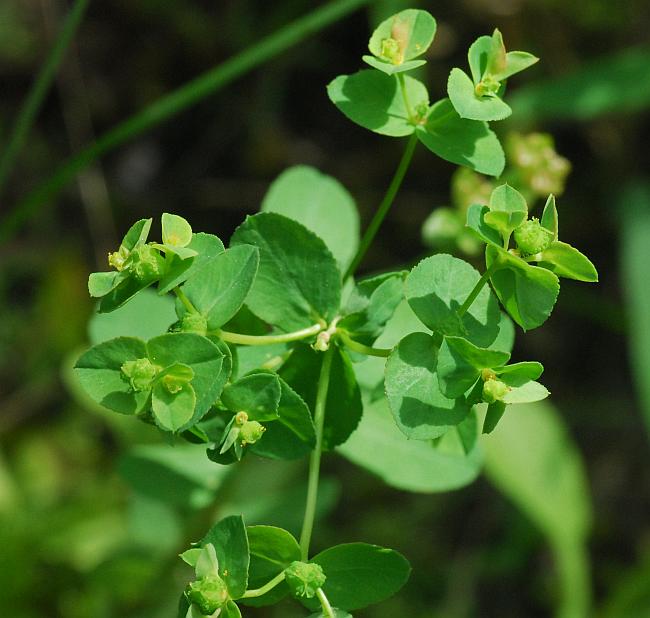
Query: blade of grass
{"type": "Point", "coordinates": [176, 102]}
{"type": "Point", "coordinates": [39, 90]}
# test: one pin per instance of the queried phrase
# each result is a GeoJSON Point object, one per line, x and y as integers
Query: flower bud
{"type": "Point", "coordinates": [390, 49]}
{"type": "Point", "coordinates": [241, 418]}
{"type": "Point", "coordinates": [118, 258]}
{"type": "Point", "coordinates": [304, 578]}
{"type": "Point", "coordinates": [322, 342]}
{"type": "Point", "coordinates": [208, 594]}
{"type": "Point", "coordinates": [251, 432]}
{"type": "Point", "coordinates": [494, 390]}
{"type": "Point", "coordinates": [531, 237]}
{"type": "Point", "coordinates": [140, 373]}
{"type": "Point", "coordinates": [488, 86]}
{"type": "Point", "coordinates": [146, 264]}
{"type": "Point", "coordinates": [194, 323]}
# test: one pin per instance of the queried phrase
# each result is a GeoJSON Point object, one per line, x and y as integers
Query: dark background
{"type": "Point", "coordinates": [71, 528]}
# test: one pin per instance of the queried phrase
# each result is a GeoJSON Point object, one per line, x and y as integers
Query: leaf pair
{"type": "Point", "coordinates": [377, 101]}
{"type": "Point", "coordinates": [479, 97]}
{"type": "Point", "coordinates": [189, 374]}
{"type": "Point", "coordinates": [267, 399]}
{"type": "Point", "coordinates": [357, 574]}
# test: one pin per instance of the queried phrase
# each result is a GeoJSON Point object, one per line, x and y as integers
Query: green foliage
{"type": "Point", "coordinates": [271, 351]}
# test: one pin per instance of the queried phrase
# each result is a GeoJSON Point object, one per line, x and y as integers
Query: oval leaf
{"type": "Point", "coordinates": [460, 89]}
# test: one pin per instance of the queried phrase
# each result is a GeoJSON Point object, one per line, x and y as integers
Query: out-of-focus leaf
{"type": "Point", "coordinates": [531, 459]}
{"type": "Point", "coordinates": [635, 216]}
{"type": "Point", "coordinates": [618, 83]}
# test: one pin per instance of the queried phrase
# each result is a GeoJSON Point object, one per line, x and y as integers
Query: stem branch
{"type": "Point", "coordinates": [314, 329]}
{"type": "Point", "coordinates": [361, 348]}
{"type": "Point", "coordinates": [384, 207]}
{"type": "Point", "coordinates": [314, 459]}
{"type": "Point", "coordinates": [328, 612]}
{"type": "Point", "coordinates": [258, 592]}
{"type": "Point", "coordinates": [187, 303]}
{"type": "Point", "coordinates": [477, 290]}
{"type": "Point", "coordinates": [407, 105]}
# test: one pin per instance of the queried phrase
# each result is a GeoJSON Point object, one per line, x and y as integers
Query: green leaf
{"type": "Point", "coordinates": [100, 375]}
{"type": "Point", "coordinates": [419, 408]}
{"type": "Point", "coordinates": [506, 338]}
{"type": "Point", "coordinates": [465, 142]}
{"type": "Point", "coordinates": [460, 363]}
{"type": "Point", "coordinates": [532, 460]}
{"type": "Point", "coordinates": [181, 476]}
{"type": "Point", "coordinates": [359, 574]}
{"type": "Point", "coordinates": [207, 563]}
{"type": "Point", "coordinates": [529, 392]}
{"type": "Point", "coordinates": [202, 356]}
{"type": "Point", "coordinates": [493, 415]}
{"type": "Point", "coordinates": [373, 100]}
{"type": "Point", "coordinates": [293, 435]}
{"type": "Point", "coordinates": [343, 408]}
{"type": "Point", "coordinates": [478, 56]}
{"type": "Point", "coordinates": [258, 395]}
{"type": "Point", "coordinates": [516, 61]}
{"type": "Point", "coordinates": [518, 373]}
{"type": "Point", "coordinates": [476, 222]}
{"type": "Point", "coordinates": [145, 316]}
{"type": "Point", "coordinates": [100, 284]}
{"type": "Point", "coordinates": [298, 281]}
{"type": "Point", "coordinates": [206, 246]}
{"type": "Point", "coordinates": [219, 289]}
{"type": "Point", "coordinates": [391, 69]}
{"type": "Point", "coordinates": [507, 210]}
{"type": "Point", "coordinates": [527, 292]}
{"type": "Point", "coordinates": [272, 550]}
{"type": "Point", "coordinates": [413, 31]}
{"type": "Point", "coordinates": [566, 261]}
{"type": "Point", "coordinates": [173, 410]}
{"type": "Point", "coordinates": [176, 231]}
{"type": "Point", "coordinates": [230, 610]}
{"type": "Point", "coordinates": [231, 543]}
{"type": "Point", "coordinates": [322, 204]}
{"type": "Point", "coordinates": [549, 216]}
{"type": "Point", "coordinates": [460, 89]}
{"type": "Point", "coordinates": [122, 293]}
{"type": "Point", "coordinates": [412, 465]}
{"type": "Point", "coordinates": [137, 234]}
{"type": "Point", "coordinates": [436, 289]}
{"type": "Point", "coordinates": [371, 304]}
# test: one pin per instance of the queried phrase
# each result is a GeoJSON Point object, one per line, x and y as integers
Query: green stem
{"type": "Point", "coordinates": [361, 348]}
{"type": "Point", "coordinates": [39, 90]}
{"type": "Point", "coordinates": [187, 303]}
{"type": "Point", "coordinates": [177, 101]}
{"type": "Point", "coordinates": [407, 105]}
{"type": "Point", "coordinates": [314, 460]}
{"type": "Point", "coordinates": [477, 290]}
{"type": "Point", "coordinates": [258, 592]}
{"type": "Point", "coordinates": [328, 612]}
{"type": "Point", "coordinates": [314, 329]}
{"type": "Point", "coordinates": [384, 207]}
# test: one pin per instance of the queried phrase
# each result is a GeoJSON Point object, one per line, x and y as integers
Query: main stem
{"type": "Point", "coordinates": [314, 460]}
{"type": "Point", "coordinates": [328, 612]}
{"type": "Point", "coordinates": [477, 290]}
{"type": "Point", "coordinates": [384, 207]}
{"type": "Point", "coordinates": [175, 102]}
{"type": "Point", "coordinates": [39, 90]}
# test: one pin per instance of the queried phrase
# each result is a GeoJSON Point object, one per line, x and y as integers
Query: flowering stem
{"type": "Point", "coordinates": [314, 460]}
{"type": "Point", "coordinates": [328, 612]}
{"type": "Point", "coordinates": [258, 592]}
{"type": "Point", "coordinates": [241, 339]}
{"type": "Point", "coordinates": [477, 290]}
{"type": "Point", "coordinates": [355, 346]}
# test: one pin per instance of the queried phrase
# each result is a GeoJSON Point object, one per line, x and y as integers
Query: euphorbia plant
{"type": "Point", "coordinates": [264, 355]}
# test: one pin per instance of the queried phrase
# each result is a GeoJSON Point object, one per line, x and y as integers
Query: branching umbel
{"type": "Point", "coordinates": [264, 356]}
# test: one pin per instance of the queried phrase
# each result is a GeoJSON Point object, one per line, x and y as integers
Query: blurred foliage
{"type": "Point", "coordinates": [75, 525]}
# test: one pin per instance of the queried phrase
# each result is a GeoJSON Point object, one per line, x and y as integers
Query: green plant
{"type": "Point", "coordinates": [268, 351]}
